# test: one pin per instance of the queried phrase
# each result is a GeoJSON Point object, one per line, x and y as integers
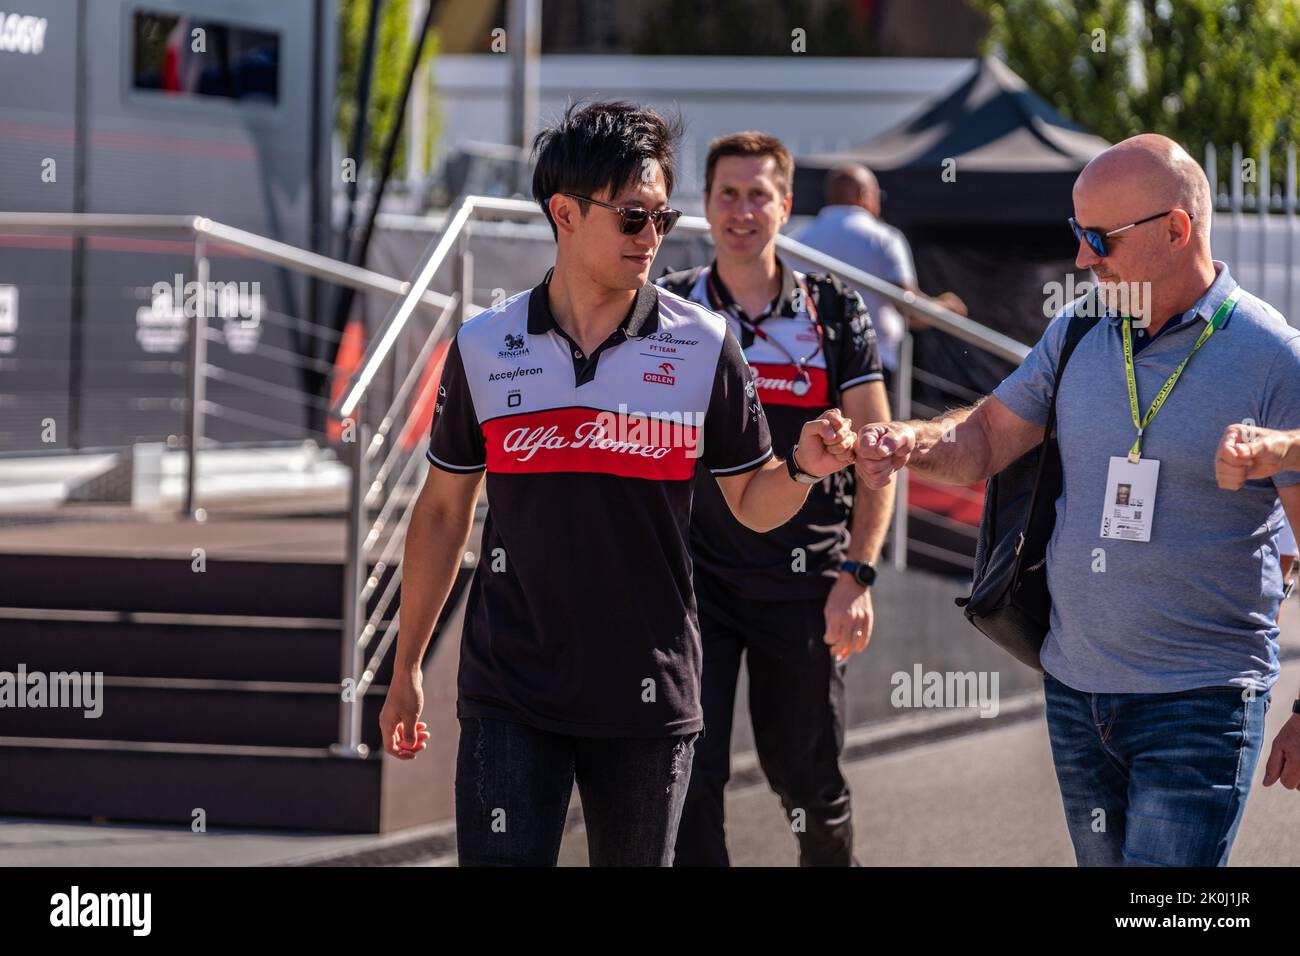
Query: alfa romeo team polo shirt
{"type": "Point", "coordinates": [800, 559]}
{"type": "Point", "coordinates": [581, 615]}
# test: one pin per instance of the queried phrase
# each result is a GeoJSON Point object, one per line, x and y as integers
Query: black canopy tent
{"type": "Point", "coordinates": [993, 228]}
{"type": "Point", "coordinates": [1015, 157]}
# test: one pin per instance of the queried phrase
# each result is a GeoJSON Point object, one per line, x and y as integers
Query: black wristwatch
{"type": "Point", "coordinates": [862, 572]}
{"type": "Point", "coordinates": [797, 473]}
{"type": "Point", "coordinates": [1295, 706]}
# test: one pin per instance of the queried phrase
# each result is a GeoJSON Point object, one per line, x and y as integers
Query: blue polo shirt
{"type": "Point", "coordinates": [1141, 338]}
{"type": "Point", "coordinates": [1196, 606]}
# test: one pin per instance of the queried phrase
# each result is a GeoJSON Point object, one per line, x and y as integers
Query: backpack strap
{"type": "Point", "coordinates": [1080, 326]}
{"type": "Point", "coordinates": [1048, 450]}
{"type": "Point", "coordinates": [837, 329]}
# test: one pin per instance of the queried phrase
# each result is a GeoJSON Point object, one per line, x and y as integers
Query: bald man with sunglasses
{"type": "Point", "coordinates": [1162, 650]}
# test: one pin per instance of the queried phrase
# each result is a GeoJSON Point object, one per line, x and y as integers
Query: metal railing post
{"type": "Point", "coordinates": [464, 278]}
{"type": "Point", "coordinates": [198, 357]}
{"type": "Point", "coordinates": [386, 335]}
{"type": "Point", "coordinates": [1290, 194]}
{"type": "Point", "coordinates": [354, 572]}
{"type": "Point", "coordinates": [904, 413]}
{"type": "Point", "coordinates": [1212, 173]}
{"type": "Point", "coordinates": [1238, 200]}
{"type": "Point", "coordinates": [1264, 202]}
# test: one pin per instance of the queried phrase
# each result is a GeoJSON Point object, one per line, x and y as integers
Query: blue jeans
{"type": "Point", "coordinates": [1154, 779]}
{"type": "Point", "coordinates": [513, 784]}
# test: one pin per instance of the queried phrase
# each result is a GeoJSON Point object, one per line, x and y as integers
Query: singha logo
{"type": "Point", "coordinates": [514, 346]}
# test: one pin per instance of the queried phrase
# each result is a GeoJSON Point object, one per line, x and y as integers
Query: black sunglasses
{"type": "Point", "coordinates": [632, 219]}
{"type": "Point", "coordinates": [1096, 239]}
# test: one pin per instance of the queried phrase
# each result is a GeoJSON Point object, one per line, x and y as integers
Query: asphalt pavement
{"type": "Point", "coordinates": [927, 791]}
{"type": "Point", "coordinates": [987, 798]}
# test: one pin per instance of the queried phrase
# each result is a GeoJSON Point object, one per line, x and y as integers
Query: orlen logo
{"type": "Point", "coordinates": [666, 378]}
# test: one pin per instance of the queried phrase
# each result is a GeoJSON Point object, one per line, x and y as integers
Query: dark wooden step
{"type": "Point", "coordinates": [115, 583]}
{"type": "Point", "coordinates": [127, 601]}
{"type": "Point", "coordinates": [216, 647]}
{"type": "Point", "coordinates": [234, 713]}
{"type": "Point", "coordinates": [300, 789]}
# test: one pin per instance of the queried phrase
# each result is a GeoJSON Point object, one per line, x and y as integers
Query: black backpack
{"type": "Point", "coordinates": [1009, 601]}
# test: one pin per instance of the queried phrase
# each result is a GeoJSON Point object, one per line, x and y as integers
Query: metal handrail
{"type": "Point", "coordinates": [270, 316]}
{"type": "Point", "coordinates": [274, 353]}
{"type": "Point", "coordinates": [41, 222]}
{"type": "Point", "coordinates": [470, 207]}
{"type": "Point", "coordinates": [387, 333]}
{"type": "Point", "coordinates": [376, 530]}
{"type": "Point", "coordinates": [201, 227]}
{"type": "Point", "coordinates": [203, 232]}
{"type": "Point", "coordinates": [264, 386]}
{"type": "Point", "coordinates": [211, 409]}
{"type": "Point", "coordinates": [943, 384]}
{"type": "Point", "coordinates": [408, 383]}
{"type": "Point", "coordinates": [943, 319]}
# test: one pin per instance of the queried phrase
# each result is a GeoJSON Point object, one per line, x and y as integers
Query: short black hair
{"type": "Point", "coordinates": [600, 146]}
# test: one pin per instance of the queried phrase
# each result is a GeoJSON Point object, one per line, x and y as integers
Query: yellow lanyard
{"type": "Point", "coordinates": [1220, 315]}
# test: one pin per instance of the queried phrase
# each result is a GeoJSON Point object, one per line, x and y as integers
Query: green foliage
{"type": "Point", "coordinates": [1198, 71]}
{"type": "Point", "coordinates": [393, 47]}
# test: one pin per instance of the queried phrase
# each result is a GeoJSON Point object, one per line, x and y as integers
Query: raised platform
{"type": "Point", "coordinates": [218, 647]}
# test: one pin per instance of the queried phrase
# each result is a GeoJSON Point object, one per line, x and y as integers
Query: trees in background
{"type": "Point", "coordinates": [1198, 71]}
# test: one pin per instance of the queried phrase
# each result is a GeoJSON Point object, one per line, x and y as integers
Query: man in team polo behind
{"type": "Point", "coordinates": [589, 401]}
{"type": "Point", "coordinates": [781, 597]}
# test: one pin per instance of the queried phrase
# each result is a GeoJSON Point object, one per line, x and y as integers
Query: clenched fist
{"type": "Point", "coordinates": [883, 449]}
{"type": "Point", "coordinates": [1247, 451]}
{"type": "Point", "coordinates": [404, 735]}
{"type": "Point", "coordinates": [826, 444]}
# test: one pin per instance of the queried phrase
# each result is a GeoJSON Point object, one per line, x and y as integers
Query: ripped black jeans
{"type": "Point", "coordinates": [513, 784]}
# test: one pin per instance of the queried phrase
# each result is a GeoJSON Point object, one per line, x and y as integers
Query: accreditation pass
{"type": "Point", "coordinates": [1130, 499]}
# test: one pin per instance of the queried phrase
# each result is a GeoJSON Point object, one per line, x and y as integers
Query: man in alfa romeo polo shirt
{"type": "Point", "coordinates": [589, 401]}
{"type": "Point", "coordinates": [781, 598]}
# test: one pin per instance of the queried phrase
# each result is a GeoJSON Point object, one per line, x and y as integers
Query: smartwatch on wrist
{"type": "Point", "coordinates": [797, 473]}
{"type": "Point", "coordinates": [1295, 706]}
{"type": "Point", "coordinates": [862, 572]}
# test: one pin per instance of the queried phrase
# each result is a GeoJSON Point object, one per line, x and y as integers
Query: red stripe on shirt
{"type": "Point", "coordinates": [775, 383]}
{"type": "Point", "coordinates": [588, 440]}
